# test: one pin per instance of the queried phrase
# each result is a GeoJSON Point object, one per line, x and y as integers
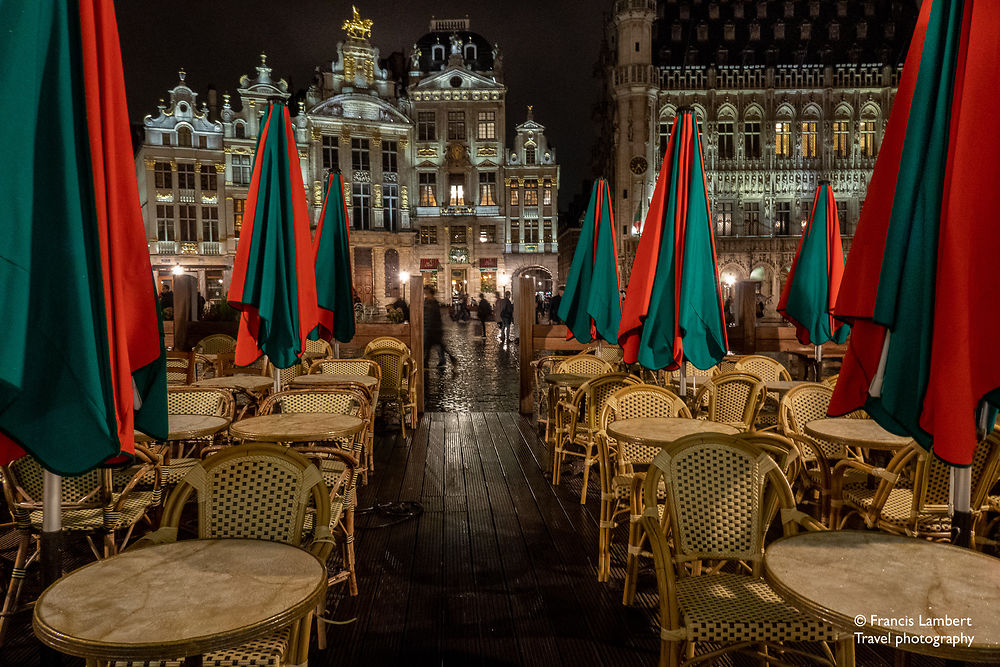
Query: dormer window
{"type": "Point", "coordinates": [862, 29]}
{"type": "Point", "coordinates": [241, 130]}
{"type": "Point", "coordinates": [754, 31]}
{"type": "Point", "coordinates": [165, 139]}
{"type": "Point", "coordinates": [529, 155]}
{"type": "Point", "coordinates": [685, 12]}
{"type": "Point", "coordinates": [713, 10]}
{"type": "Point", "coordinates": [729, 32]}
{"type": "Point", "coordinates": [762, 10]}
{"type": "Point", "coordinates": [738, 10]}
{"type": "Point", "coordinates": [676, 32]}
{"type": "Point", "coordinates": [841, 8]}
{"type": "Point", "coordinates": [702, 32]}
{"type": "Point", "coordinates": [834, 30]}
{"type": "Point", "coordinates": [869, 8]}
{"type": "Point", "coordinates": [789, 9]}
{"type": "Point", "coordinates": [806, 31]}
{"type": "Point", "coordinates": [184, 137]}
{"type": "Point", "coordinates": [779, 30]}
{"type": "Point", "coordinates": [890, 30]}
{"type": "Point", "coordinates": [470, 51]}
{"type": "Point", "coordinates": [814, 8]}
{"type": "Point", "coordinates": [437, 52]}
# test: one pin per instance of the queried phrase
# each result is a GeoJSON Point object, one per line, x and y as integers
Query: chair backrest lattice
{"type": "Point", "coordinates": [332, 400]}
{"type": "Point", "coordinates": [598, 391]}
{"type": "Point", "coordinates": [766, 368]}
{"type": "Point", "coordinates": [386, 343]}
{"type": "Point", "coordinates": [254, 491]}
{"type": "Point", "coordinates": [346, 367]}
{"type": "Point", "coordinates": [215, 344]}
{"type": "Point", "coordinates": [394, 368]}
{"type": "Point", "coordinates": [320, 347]}
{"type": "Point", "coordinates": [719, 491]}
{"type": "Point", "coordinates": [180, 368]}
{"type": "Point", "coordinates": [638, 401]}
{"type": "Point", "coordinates": [613, 354]}
{"type": "Point", "coordinates": [732, 398]}
{"type": "Point", "coordinates": [25, 477]}
{"type": "Point", "coordinates": [803, 404]}
{"type": "Point", "coordinates": [583, 364]}
{"type": "Point", "coordinates": [932, 478]}
{"type": "Point", "coordinates": [200, 401]}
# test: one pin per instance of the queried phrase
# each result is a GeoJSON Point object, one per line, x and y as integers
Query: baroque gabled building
{"type": "Point", "coordinates": [786, 93]}
{"type": "Point", "coordinates": [431, 185]}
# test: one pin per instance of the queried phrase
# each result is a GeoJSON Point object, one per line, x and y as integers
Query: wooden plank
{"type": "Point", "coordinates": [524, 304]}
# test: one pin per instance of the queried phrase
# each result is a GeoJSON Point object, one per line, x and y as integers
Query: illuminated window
{"type": "Point", "coordinates": [456, 190]}
{"type": "Point", "coordinates": [514, 199]}
{"type": "Point", "coordinates": [866, 138]}
{"type": "Point", "coordinates": [428, 189]}
{"type": "Point", "coordinates": [809, 133]}
{"type": "Point", "coordinates": [239, 206]}
{"type": "Point", "coordinates": [783, 139]}
{"type": "Point", "coordinates": [547, 194]}
{"type": "Point", "coordinates": [487, 188]}
{"type": "Point", "coordinates": [783, 220]}
{"type": "Point", "coordinates": [531, 194]}
{"type": "Point", "coordinates": [724, 219]}
{"type": "Point", "coordinates": [841, 138]}
{"type": "Point", "coordinates": [458, 234]}
{"type": "Point", "coordinates": [486, 129]}
{"type": "Point", "coordinates": [428, 235]}
{"type": "Point", "coordinates": [487, 233]}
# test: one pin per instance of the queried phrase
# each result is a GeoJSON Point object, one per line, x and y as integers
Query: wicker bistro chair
{"type": "Point", "coordinates": [351, 367]}
{"type": "Point", "coordinates": [180, 368]}
{"type": "Point", "coordinates": [731, 398]}
{"type": "Point", "coordinates": [768, 370]}
{"type": "Point", "coordinates": [397, 383]}
{"type": "Point", "coordinates": [911, 497]}
{"type": "Point", "coordinates": [613, 354]}
{"type": "Point", "coordinates": [719, 494]}
{"type": "Point", "coordinates": [617, 460]}
{"type": "Point", "coordinates": [91, 508]}
{"type": "Point", "coordinates": [541, 367]}
{"type": "Point", "coordinates": [696, 378]}
{"type": "Point", "coordinates": [263, 492]}
{"type": "Point", "coordinates": [583, 364]}
{"type": "Point", "coordinates": [318, 349]}
{"type": "Point", "coordinates": [386, 343]}
{"type": "Point", "coordinates": [195, 401]}
{"type": "Point", "coordinates": [799, 406]}
{"type": "Point", "coordinates": [215, 344]}
{"type": "Point", "coordinates": [578, 421]}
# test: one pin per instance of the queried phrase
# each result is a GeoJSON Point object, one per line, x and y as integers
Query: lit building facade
{"type": "Point", "coordinates": [786, 93]}
{"type": "Point", "coordinates": [430, 183]}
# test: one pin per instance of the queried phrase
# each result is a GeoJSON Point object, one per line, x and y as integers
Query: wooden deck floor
{"type": "Point", "coordinates": [499, 568]}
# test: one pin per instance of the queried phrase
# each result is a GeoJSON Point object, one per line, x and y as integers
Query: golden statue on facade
{"type": "Point", "coordinates": [356, 27]}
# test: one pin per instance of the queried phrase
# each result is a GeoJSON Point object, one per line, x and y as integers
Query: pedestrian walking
{"type": "Point", "coordinates": [434, 328]}
{"type": "Point", "coordinates": [485, 312]}
{"type": "Point", "coordinates": [554, 307]}
{"type": "Point", "coordinates": [539, 308]}
{"type": "Point", "coordinates": [505, 316]}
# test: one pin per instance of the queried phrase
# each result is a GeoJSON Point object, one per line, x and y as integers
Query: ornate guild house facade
{"type": "Point", "coordinates": [786, 92]}
{"type": "Point", "coordinates": [431, 184]}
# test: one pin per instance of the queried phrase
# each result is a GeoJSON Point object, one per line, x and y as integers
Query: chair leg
{"type": "Point", "coordinates": [588, 460]}
{"type": "Point", "coordinates": [845, 652]}
{"type": "Point", "coordinates": [603, 542]}
{"type": "Point", "coordinates": [352, 582]}
{"type": "Point", "coordinates": [557, 458]}
{"type": "Point", "coordinates": [16, 579]}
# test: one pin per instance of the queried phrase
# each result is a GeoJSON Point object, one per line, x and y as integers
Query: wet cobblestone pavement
{"type": "Point", "coordinates": [485, 378]}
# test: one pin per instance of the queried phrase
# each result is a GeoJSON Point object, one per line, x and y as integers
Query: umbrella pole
{"type": "Point", "coordinates": [818, 356]}
{"type": "Point", "coordinates": [960, 493]}
{"type": "Point", "coordinates": [277, 379]}
{"type": "Point", "coordinates": [336, 350]}
{"type": "Point", "coordinates": [50, 543]}
{"type": "Point", "coordinates": [683, 384]}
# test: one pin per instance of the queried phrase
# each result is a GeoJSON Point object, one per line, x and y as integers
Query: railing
{"type": "Point", "coordinates": [210, 248]}
{"type": "Point", "coordinates": [456, 210]}
{"type": "Point", "coordinates": [488, 210]}
{"type": "Point", "coordinates": [163, 248]}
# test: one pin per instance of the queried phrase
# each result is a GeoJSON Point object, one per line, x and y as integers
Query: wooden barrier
{"type": "Point", "coordinates": [535, 337]}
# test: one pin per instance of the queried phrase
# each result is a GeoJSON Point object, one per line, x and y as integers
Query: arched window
{"type": "Point", "coordinates": [184, 136]}
{"type": "Point", "coordinates": [809, 128]}
{"type": "Point", "coordinates": [726, 133]}
{"type": "Point", "coordinates": [783, 133]}
{"type": "Point", "coordinates": [392, 273]}
{"type": "Point", "coordinates": [437, 52]}
{"type": "Point", "coordinates": [663, 132]}
{"type": "Point", "coordinates": [866, 131]}
{"type": "Point", "coordinates": [751, 135]}
{"type": "Point", "coordinates": [842, 133]}
{"type": "Point", "coordinates": [470, 51]}
{"type": "Point", "coordinates": [241, 130]}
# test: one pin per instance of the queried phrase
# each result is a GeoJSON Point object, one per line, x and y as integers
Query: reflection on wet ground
{"type": "Point", "coordinates": [485, 378]}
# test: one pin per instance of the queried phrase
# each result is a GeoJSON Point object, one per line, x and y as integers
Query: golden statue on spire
{"type": "Point", "coordinates": [356, 27]}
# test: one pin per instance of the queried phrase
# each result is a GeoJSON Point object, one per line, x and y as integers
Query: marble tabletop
{"type": "Point", "coordinates": [659, 431]}
{"type": "Point", "coordinates": [783, 386]}
{"type": "Point", "coordinates": [296, 427]}
{"type": "Point", "coordinates": [892, 590]}
{"type": "Point", "coordinates": [246, 382]}
{"type": "Point", "coordinates": [179, 599]}
{"type": "Point", "coordinates": [858, 432]}
{"type": "Point", "coordinates": [185, 427]}
{"type": "Point", "coordinates": [332, 379]}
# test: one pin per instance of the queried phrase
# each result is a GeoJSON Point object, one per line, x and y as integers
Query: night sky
{"type": "Point", "coordinates": [549, 52]}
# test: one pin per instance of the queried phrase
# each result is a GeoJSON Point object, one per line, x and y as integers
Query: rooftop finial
{"type": "Point", "coordinates": [263, 58]}
{"type": "Point", "coordinates": [181, 74]}
{"type": "Point", "coordinates": [531, 112]}
{"type": "Point", "coordinates": [357, 27]}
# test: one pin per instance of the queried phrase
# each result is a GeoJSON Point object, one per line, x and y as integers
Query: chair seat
{"type": "Point", "coordinates": [852, 477]}
{"type": "Point", "coordinates": [266, 652]}
{"type": "Point", "coordinates": [621, 485]}
{"type": "Point", "coordinates": [896, 510]}
{"type": "Point", "coordinates": [171, 473]}
{"type": "Point", "coordinates": [104, 518]}
{"type": "Point", "coordinates": [736, 607]}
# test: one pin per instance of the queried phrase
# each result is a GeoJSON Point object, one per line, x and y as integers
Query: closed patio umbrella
{"type": "Point", "coordinates": [591, 305]}
{"type": "Point", "coordinates": [81, 358]}
{"type": "Point", "coordinates": [332, 255]}
{"type": "Point", "coordinates": [274, 279]}
{"type": "Point", "coordinates": [673, 304]}
{"type": "Point", "coordinates": [810, 293]}
{"type": "Point", "coordinates": [920, 287]}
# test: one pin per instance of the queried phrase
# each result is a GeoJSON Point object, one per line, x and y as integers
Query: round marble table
{"type": "Point", "coordinates": [250, 383]}
{"type": "Point", "coordinates": [180, 599]}
{"type": "Point", "coordinates": [659, 431]}
{"type": "Point", "coordinates": [296, 427]}
{"type": "Point", "coordinates": [896, 591]}
{"type": "Point", "coordinates": [857, 432]}
{"type": "Point", "coordinates": [321, 379]}
{"type": "Point", "coordinates": [782, 387]}
{"type": "Point", "coordinates": [570, 380]}
{"type": "Point", "coordinates": [186, 427]}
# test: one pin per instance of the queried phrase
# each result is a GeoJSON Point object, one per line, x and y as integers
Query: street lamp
{"type": "Point", "coordinates": [177, 270]}
{"type": "Point", "coordinates": [404, 277]}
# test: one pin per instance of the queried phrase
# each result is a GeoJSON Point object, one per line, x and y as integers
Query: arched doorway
{"type": "Point", "coordinates": [392, 273]}
{"type": "Point", "coordinates": [540, 276]}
